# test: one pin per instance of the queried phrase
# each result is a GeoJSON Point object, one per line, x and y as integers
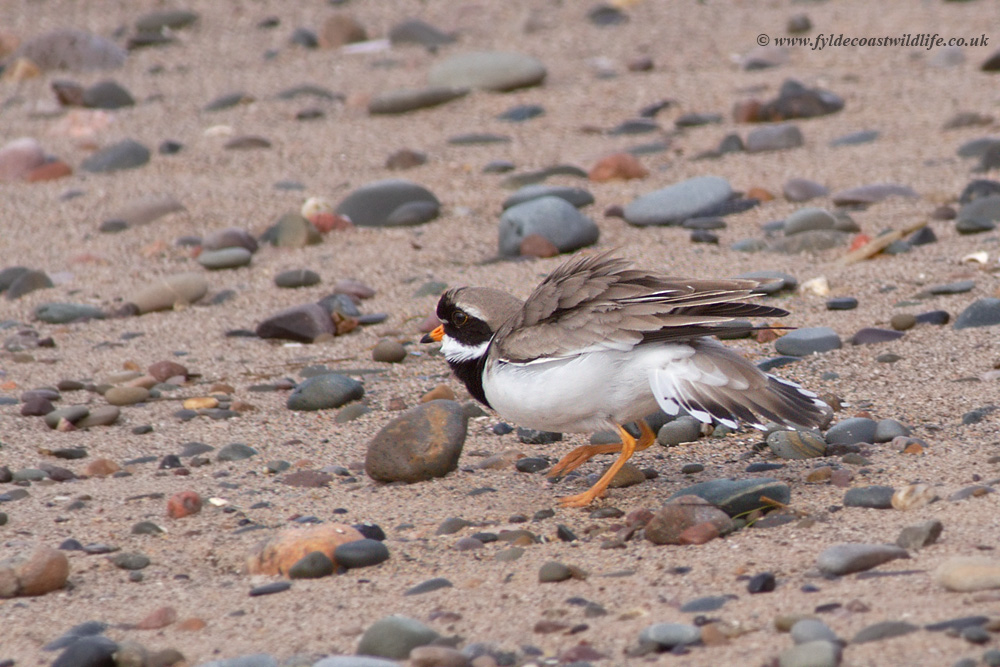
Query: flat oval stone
{"type": "Point", "coordinates": [225, 258]}
{"type": "Point", "coordinates": [774, 138]}
{"type": "Point", "coordinates": [63, 313]}
{"type": "Point", "coordinates": [126, 154]}
{"type": "Point", "coordinates": [578, 197]}
{"type": "Point", "coordinates": [801, 189]}
{"type": "Point", "coordinates": [126, 395]}
{"type": "Point", "coordinates": [864, 195]}
{"type": "Point", "coordinates": [372, 204]}
{"type": "Point", "coordinates": [394, 637]}
{"type": "Point", "coordinates": [676, 203]}
{"type": "Point", "coordinates": [235, 451]}
{"type": "Point", "coordinates": [871, 335]}
{"type": "Point", "coordinates": [842, 303]}
{"type": "Point", "coordinates": [302, 323]}
{"type": "Point", "coordinates": [668, 635]}
{"type": "Point", "coordinates": [676, 431]}
{"type": "Point", "coordinates": [488, 70]}
{"type": "Point", "coordinates": [851, 431]}
{"type": "Point", "coordinates": [435, 584]}
{"type": "Point", "coordinates": [104, 415]}
{"type": "Point", "coordinates": [803, 342]}
{"type": "Point", "coordinates": [324, 392]}
{"type": "Point", "coordinates": [872, 497]}
{"type": "Point", "coordinates": [883, 630]}
{"type": "Point", "coordinates": [164, 293]}
{"type": "Point", "coordinates": [294, 278]}
{"type": "Point", "coordinates": [313, 565]}
{"type": "Point", "coordinates": [809, 219]}
{"type": "Point", "coordinates": [410, 99]}
{"type": "Point", "coordinates": [72, 414]}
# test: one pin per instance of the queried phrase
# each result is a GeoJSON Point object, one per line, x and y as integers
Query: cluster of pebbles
{"type": "Point", "coordinates": [304, 448]}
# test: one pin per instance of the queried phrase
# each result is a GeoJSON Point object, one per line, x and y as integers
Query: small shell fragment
{"type": "Point", "coordinates": [819, 286]}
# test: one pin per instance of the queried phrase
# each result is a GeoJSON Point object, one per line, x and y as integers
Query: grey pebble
{"type": "Point", "coordinates": [676, 431]}
{"type": "Point", "coordinates": [705, 604]}
{"type": "Point", "coordinates": [435, 584]}
{"type": "Point", "coordinates": [361, 553]}
{"type": "Point", "coordinates": [552, 217]}
{"type": "Point", "coordinates": [294, 278]}
{"type": "Point", "coordinates": [313, 565]}
{"type": "Point", "coordinates": [235, 451]}
{"type": "Point", "coordinates": [389, 351]}
{"type": "Point", "coordinates": [803, 342]}
{"type": "Point", "coordinates": [553, 571]}
{"type": "Point", "coordinates": [980, 313]}
{"type": "Point", "coordinates": [844, 559]}
{"type": "Point", "coordinates": [887, 429]}
{"type": "Point", "coordinates": [88, 651]}
{"type": "Point", "coordinates": [852, 430]}
{"type": "Point", "coordinates": [920, 535]}
{"type": "Point", "coordinates": [130, 561]}
{"type": "Point", "coordinates": [225, 258]}
{"type": "Point", "coordinates": [676, 203]}
{"type": "Point", "coordinates": [668, 635]}
{"type": "Point", "coordinates": [394, 637]}
{"type": "Point", "coordinates": [735, 497]}
{"type": "Point", "coordinates": [488, 70]}
{"type": "Point", "coordinates": [883, 630]}
{"type": "Point", "coordinates": [800, 190]}
{"type": "Point", "coordinates": [796, 444]}
{"type": "Point", "coordinates": [781, 136]}
{"type": "Point", "coordinates": [842, 303]}
{"type": "Point", "coordinates": [373, 204]}
{"type": "Point", "coordinates": [818, 653]}
{"type": "Point", "coordinates": [62, 313]}
{"type": "Point", "coordinates": [126, 154]}
{"type": "Point", "coordinates": [423, 443]}
{"type": "Point", "coordinates": [812, 629]}
{"type": "Point", "coordinates": [578, 197]}
{"type": "Point", "coordinates": [324, 392]}
{"type": "Point", "coordinates": [872, 497]}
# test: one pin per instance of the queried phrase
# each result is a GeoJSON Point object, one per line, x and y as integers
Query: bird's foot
{"type": "Point", "coordinates": [579, 456]}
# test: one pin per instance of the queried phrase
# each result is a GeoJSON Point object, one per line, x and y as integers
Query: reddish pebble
{"type": "Point", "coordinates": [841, 477]}
{"type": "Point", "coordinates": [101, 468]}
{"type": "Point", "coordinates": [699, 533]}
{"type": "Point", "coordinates": [160, 618]}
{"type": "Point", "coordinates": [327, 222]}
{"type": "Point", "coordinates": [760, 194]}
{"type": "Point", "coordinates": [49, 171]}
{"type": "Point", "coordinates": [164, 370]}
{"type": "Point", "coordinates": [183, 504]}
{"type": "Point", "coordinates": [859, 241]}
{"type": "Point", "coordinates": [442, 391]}
{"type": "Point", "coordinates": [191, 624]}
{"type": "Point", "coordinates": [620, 166]}
{"type": "Point", "coordinates": [747, 111]}
{"type": "Point", "coordinates": [536, 245]}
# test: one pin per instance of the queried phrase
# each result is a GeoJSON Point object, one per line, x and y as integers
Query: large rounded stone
{"type": "Point", "coordinates": [735, 497]}
{"type": "Point", "coordinates": [679, 514]}
{"type": "Point", "coordinates": [488, 70]}
{"type": "Point", "coordinates": [676, 203]}
{"type": "Point", "coordinates": [980, 313]}
{"type": "Point", "coordinates": [326, 391]}
{"type": "Point", "coordinates": [165, 293]}
{"type": "Point", "coordinates": [420, 444]}
{"type": "Point", "coordinates": [373, 204]}
{"type": "Point", "coordinates": [852, 431]}
{"type": "Point", "coordinates": [550, 217]}
{"type": "Point", "coordinates": [40, 572]}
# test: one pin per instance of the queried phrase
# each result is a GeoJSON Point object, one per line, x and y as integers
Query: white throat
{"type": "Point", "coordinates": [455, 351]}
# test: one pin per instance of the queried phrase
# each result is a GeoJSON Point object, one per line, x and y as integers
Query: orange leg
{"type": "Point", "coordinates": [628, 446]}
{"type": "Point", "coordinates": [584, 453]}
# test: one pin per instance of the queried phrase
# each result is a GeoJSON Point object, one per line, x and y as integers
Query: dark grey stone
{"type": "Point", "coordinates": [373, 204]}
{"type": "Point", "coordinates": [803, 342]}
{"type": "Point", "coordinates": [735, 497]}
{"type": "Point", "coordinates": [324, 392]}
{"type": "Point", "coordinates": [552, 217]}
{"type": "Point", "coordinates": [126, 154]}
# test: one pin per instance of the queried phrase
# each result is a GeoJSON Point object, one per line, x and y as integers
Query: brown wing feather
{"type": "Point", "coordinates": [600, 301]}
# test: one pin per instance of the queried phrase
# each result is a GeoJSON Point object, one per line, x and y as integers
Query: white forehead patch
{"type": "Point", "coordinates": [455, 351]}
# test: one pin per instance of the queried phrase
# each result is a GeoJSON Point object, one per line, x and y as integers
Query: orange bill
{"type": "Point", "coordinates": [434, 336]}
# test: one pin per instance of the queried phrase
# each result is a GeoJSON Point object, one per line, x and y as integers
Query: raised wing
{"type": "Point", "coordinates": [600, 302]}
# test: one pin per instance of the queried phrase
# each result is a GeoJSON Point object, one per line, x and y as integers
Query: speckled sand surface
{"type": "Point", "coordinates": [198, 566]}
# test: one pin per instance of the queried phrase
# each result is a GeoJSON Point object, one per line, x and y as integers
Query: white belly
{"type": "Point", "coordinates": [581, 394]}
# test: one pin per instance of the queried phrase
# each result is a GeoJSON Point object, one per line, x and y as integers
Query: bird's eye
{"type": "Point", "coordinates": [459, 318]}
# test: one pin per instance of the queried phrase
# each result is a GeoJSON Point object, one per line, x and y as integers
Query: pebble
{"type": "Point", "coordinates": [764, 582]}
{"type": "Point", "coordinates": [488, 70]}
{"type": "Point", "coordinates": [428, 586]}
{"type": "Point", "coordinates": [70, 414]}
{"type": "Point", "coordinates": [736, 497]}
{"type": "Point", "coordinates": [705, 604]}
{"type": "Point", "coordinates": [107, 94]}
{"type": "Point", "coordinates": [292, 230]}
{"type": "Point", "coordinates": [903, 321]}
{"type": "Point", "coordinates": [438, 656]}
{"type": "Point", "coordinates": [42, 571]}
{"type": "Point", "coordinates": [883, 630]}
{"type": "Point", "coordinates": [873, 497]}
{"type": "Point", "coordinates": [410, 99]}
{"type": "Point", "coordinates": [394, 637]}
{"type": "Point", "coordinates": [19, 157]}
{"type": "Point", "coordinates": [324, 392]}
{"type": "Point", "coordinates": [844, 559]}
{"type": "Point", "coordinates": [680, 430]}
{"type": "Point", "coordinates": [73, 49]}
{"type": "Point", "coordinates": [225, 258]}
{"type": "Point", "coordinates": [842, 303]}
{"type": "Point", "coordinates": [676, 203]}
{"type": "Point", "coordinates": [389, 351]}
{"type": "Point", "coordinates": [980, 313]}
{"type": "Point", "coordinates": [968, 573]}
{"type": "Point", "coordinates": [405, 158]}
{"type": "Point", "coordinates": [92, 651]}
{"type": "Point", "coordinates": [810, 340]}
{"type": "Point", "coordinates": [131, 561]}
{"type": "Point", "coordinates": [802, 190]}
{"type": "Point", "coordinates": [553, 572]}
{"type": "Point", "coordinates": [618, 166]}
{"type": "Point", "coordinates": [872, 335]}
{"type": "Point", "coordinates": [126, 395]}
{"type": "Point", "coordinates": [852, 430]}
{"type": "Point", "coordinates": [771, 282]}
{"type": "Point", "coordinates": [916, 537]}
{"type": "Point", "coordinates": [855, 138]}
{"type": "Point", "coordinates": [340, 29]}
{"type": "Point", "coordinates": [865, 195]}
{"type": "Point", "coordinates": [235, 451]}
{"type": "Point", "coordinates": [356, 661]}
{"type": "Point", "coordinates": [666, 636]}
{"type": "Point", "coordinates": [126, 154]}
{"type": "Point", "coordinates": [422, 443]}
{"type": "Point", "coordinates": [384, 204]}
{"type": "Point", "coordinates": [295, 278]}
{"type": "Point", "coordinates": [302, 323]}
{"type": "Point", "coordinates": [818, 653]}
{"type": "Point", "coordinates": [279, 553]}
{"type": "Point", "coordinates": [796, 444]}
{"type": "Point", "coordinates": [361, 553]}
{"type": "Point", "coordinates": [314, 565]}
{"type": "Point", "coordinates": [812, 629]}
{"type": "Point", "coordinates": [668, 523]}
{"type": "Point", "coordinates": [521, 113]}
{"type": "Point", "coordinates": [551, 217]}
{"type": "Point", "coordinates": [415, 31]}
{"type": "Point", "coordinates": [578, 197]}
{"type": "Point", "coordinates": [774, 138]}
{"type": "Point", "coordinates": [26, 282]}
{"type": "Point", "coordinates": [887, 429]}
{"type": "Point", "coordinates": [165, 293]}
{"type": "Point", "coordinates": [809, 219]}
{"type": "Point", "coordinates": [182, 504]}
